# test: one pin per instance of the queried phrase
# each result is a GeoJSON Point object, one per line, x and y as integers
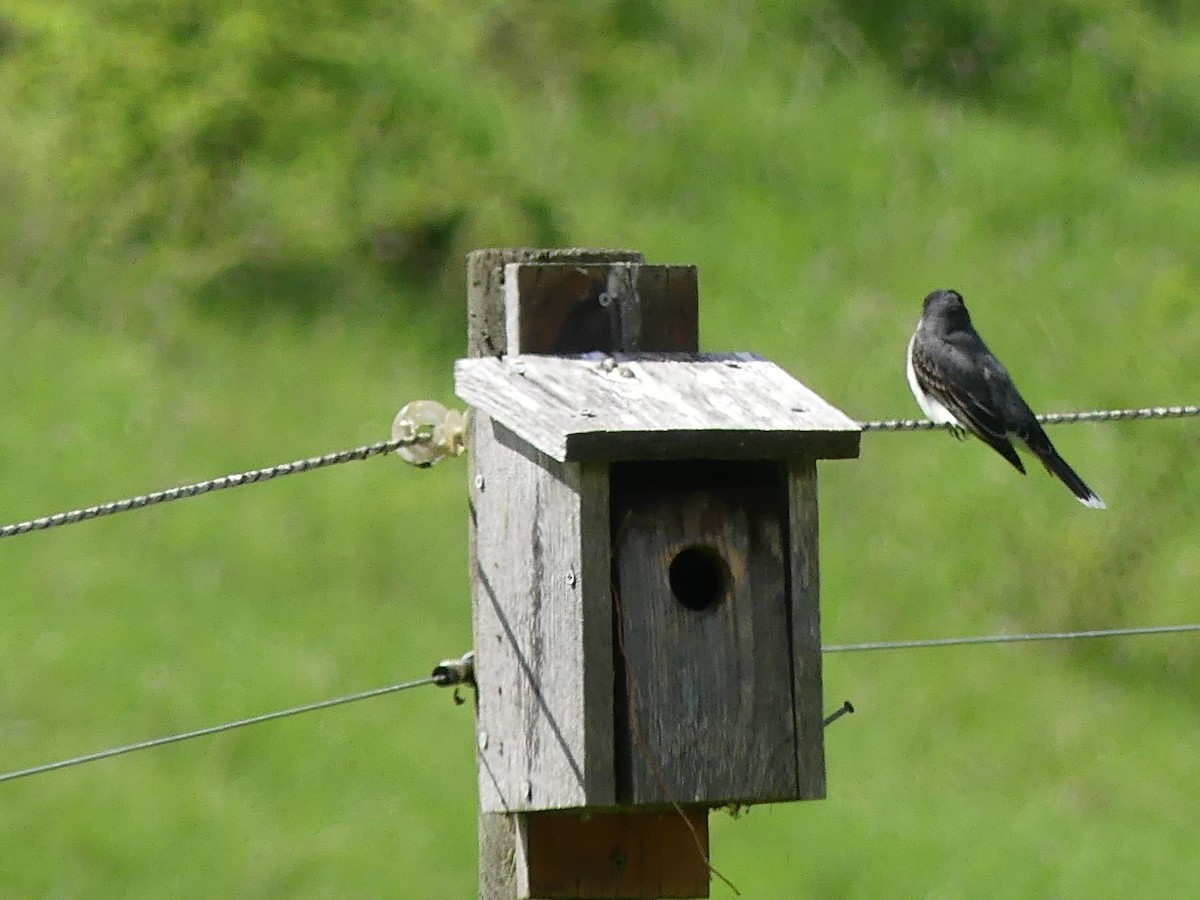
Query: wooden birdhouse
{"type": "Point", "coordinates": [644, 533]}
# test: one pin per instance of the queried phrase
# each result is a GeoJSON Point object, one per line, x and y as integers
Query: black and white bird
{"type": "Point", "coordinates": [958, 382]}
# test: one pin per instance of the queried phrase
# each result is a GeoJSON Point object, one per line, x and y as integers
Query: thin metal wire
{"type": "Point", "coordinates": [1094, 415]}
{"type": "Point", "coordinates": [1010, 638]}
{"type": "Point", "coordinates": [214, 729]}
{"type": "Point", "coordinates": [204, 487]}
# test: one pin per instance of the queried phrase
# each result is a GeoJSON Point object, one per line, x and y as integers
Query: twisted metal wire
{"type": "Point", "coordinates": [204, 487]}
{"type": "Point", "coordinates": [1094, 415]}
{"type": "Point", "coordinates": [254, 476]}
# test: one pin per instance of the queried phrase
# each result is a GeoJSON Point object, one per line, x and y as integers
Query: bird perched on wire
{"type": "Point", "coordinates": [958, 382]}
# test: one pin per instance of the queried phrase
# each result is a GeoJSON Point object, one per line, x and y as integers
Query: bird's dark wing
{"type": "Point", "coordinates": [967, 390]}
{"type": "Point", "coordinates": [1024, 426]}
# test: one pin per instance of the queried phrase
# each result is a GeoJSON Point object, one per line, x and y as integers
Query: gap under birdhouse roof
{"type": "Point", "coordinates": [608, 407]}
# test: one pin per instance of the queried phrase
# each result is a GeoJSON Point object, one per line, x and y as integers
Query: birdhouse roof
{"type": "Point", "coordinates": [656, 406]}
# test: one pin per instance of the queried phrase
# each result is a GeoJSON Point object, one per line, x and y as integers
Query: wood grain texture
{"type": "Point", "coordinates": [564, 309]}
{"type": "Point", "coordinates": [486, 334]}
{"type": "Point", "coordinates": [806, 628]}
{"type": "Point", "coordinates": [501, 837]}
{"type": "Point", "coordinates": [543, 630]}
{"type": "Point", "coordinates": [622, 856]}
{"type": "Point", "coordinates": [657, 406]}
{"type": "Point", "coordinates": [708, 712]}
{"type": "Point", "coordinates": [498, 851]}
{"type": "Point", "coordinates": [556, 308]}
{"type": "Point", "coordinates": [670, 309]}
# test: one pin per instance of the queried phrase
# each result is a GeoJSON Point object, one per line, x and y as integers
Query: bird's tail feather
{"type": "Point", "coordinates": [1058, 467]}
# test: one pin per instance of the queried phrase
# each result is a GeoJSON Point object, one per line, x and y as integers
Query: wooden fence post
{"type": "Point", "coordinates": [487, 336]}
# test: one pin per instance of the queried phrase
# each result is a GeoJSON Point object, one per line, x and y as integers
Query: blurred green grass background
{"type": "Point", "coordinates": [234, 235]}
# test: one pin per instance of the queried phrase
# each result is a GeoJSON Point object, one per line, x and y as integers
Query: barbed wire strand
{"type": "Point", "coordinates": [1010, 638]}
{"type": "Point", "coordinates": [216, 729]}
{"type": "Point", "coordinates": [1094, 415]}
{"type": "Point", "coordinates": [182, 492]}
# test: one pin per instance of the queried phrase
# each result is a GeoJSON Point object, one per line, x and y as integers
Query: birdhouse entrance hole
{"type": "Point", "coordinates": [699, 577]}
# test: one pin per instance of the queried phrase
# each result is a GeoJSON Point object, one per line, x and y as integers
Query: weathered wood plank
{"type": "Point", "coordinates": [499, 845]}
{"type": "Point", "coordinates": [728, 444]}
{"type": "Point", "coordinates": [701, 581]}
{"type": "Point", "coordinates": [670, 309]}
{"type": "Point", "coordinates": [566, 309]}
{"type": "Point", "coordinates": [556, 308]}
{"type": "Point", "coordinates": [605, 407]}
{"type": "Point", "coordinates": [543, 638]}
{"type": "Point", "coordinates": [806, 627]}
{"type": "Point", "coordinates": [640, 856]}
{"type": "Point", "coordinates": [486, 334]}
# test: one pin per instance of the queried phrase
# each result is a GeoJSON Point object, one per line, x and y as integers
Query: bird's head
{"type": "Point", "coordinates": [946, 306]}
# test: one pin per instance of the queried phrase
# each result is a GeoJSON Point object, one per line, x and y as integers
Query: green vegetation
{"type": "Point", "coordinates": [234, 234]}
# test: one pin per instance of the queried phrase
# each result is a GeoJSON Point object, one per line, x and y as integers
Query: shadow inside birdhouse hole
{"type": "Point", "coordinates": [699, 577]}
